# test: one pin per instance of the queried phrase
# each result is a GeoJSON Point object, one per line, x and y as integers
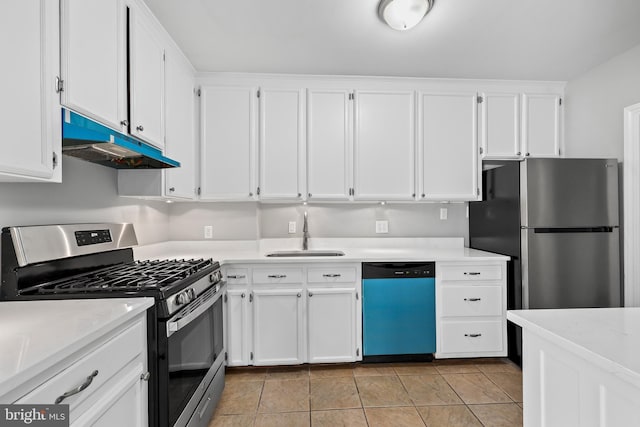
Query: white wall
{"type": "Point", "coordinates": [87, 194]}
{"type": "Point", "coordinates": [594, 104]}
{"type": "Point", "coordinates": [230, 221]}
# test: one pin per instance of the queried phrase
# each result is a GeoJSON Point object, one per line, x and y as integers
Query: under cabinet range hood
{"type": "Point", "coordinates": [88, 140]}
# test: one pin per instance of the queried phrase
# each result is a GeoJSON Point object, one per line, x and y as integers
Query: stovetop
{"type": "Point", "coordinates": [137, 277]}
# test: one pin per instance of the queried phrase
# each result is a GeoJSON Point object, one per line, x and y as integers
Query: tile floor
{"type": "Point", "coordinates": [444, 393]}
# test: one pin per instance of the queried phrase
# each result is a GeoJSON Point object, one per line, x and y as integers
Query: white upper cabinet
{"type": "Point", "coordinates": [500, 124]}
{"type": "Point", "coordinates": [180, 132]}
{"type": "Point", "coordinates": [30, 114]}
{"type": "Point", "coordinates": [146, 80]}
{"type": "Point", "coordinates": [541, 125]}
{"type": "Point", "coordinates": [384, 146]}
{"type": "Point", "coordinates": [281, 127]}
{"type": "Point", "coordinates": [448, 146]}
{"type": "Point", "coordinates": [94, 60]}
{"type": "Point", "coordinates": [329, 142]}
{"type": "Point", "coordinates": [228, 120]}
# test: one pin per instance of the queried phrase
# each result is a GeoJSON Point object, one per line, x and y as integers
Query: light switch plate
{"type": "Point", "coordinates": [382, 227]}
{"type": "Point", "coordinates": [292, 227]}
{"type": "Point", "coordinates": [208, 231]}
{"type": "Point", "coordinates": [443, 213]}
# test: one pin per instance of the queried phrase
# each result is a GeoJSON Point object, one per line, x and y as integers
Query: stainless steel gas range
{"type": "Point", "coordinates": [185, 327]}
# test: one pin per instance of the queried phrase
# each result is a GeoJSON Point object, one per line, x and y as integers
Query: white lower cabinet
{"type": "Point", "coordinates": [471, 307]}
{"type": "Point", "coordinates": [288, 314]}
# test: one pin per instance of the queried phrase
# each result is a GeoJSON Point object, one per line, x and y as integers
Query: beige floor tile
{"type": "Point", "coordinates": [457, 368]}
{"type": "Point", "coordinates": [509, 382]}
{"type": "Point", "coordinates": [232, 421]}
{"type": "Point", "coordinates": [505, 415]}
{"type": "Point", "coordinates": [382, 391]}
{"type": "Point", "coordinates": [240, 398]}
{"type": "Point", "coordinates": [287, 419]}
{"type": "Point", "coordinates": [415, 368]}
{"type": "Point", "coordinates": [393, 417]}
{"type": "Point", "coordinates": [324, 371]}
{"type": "Point", "coordinates": [287, 373]}
{"type": "Point", "coordinates": [245, 374]}
{"type": "Point", "coordinates": [285, 396]}
{"type": "Point", "coordinates": [448, 416]}
{"type": "Point", "coordinates": [519, 404]}
{"type": "Point", "coordinates": [430, 390]}
{"type": "Point", "coordinates": [373, 369]}
{"type": "Point", "coordinates": [500, 366]}
{"type": "Point", "coordinates": [338, 418]}
{"type": "Point", "coordinates": [334, 393]}
{"type": "Point", "coordinates": [476, 388]}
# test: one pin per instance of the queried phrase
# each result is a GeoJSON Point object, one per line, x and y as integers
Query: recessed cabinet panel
{"type": "Point", "coordinates": [541, 125]}
{"type": "Point", "coordinates": [228, 143]}
{"type": "Point", "coordinates": [332, 327]}
{"type": "Point", "coordinates": [384, 146]}
{"type": "Point", "coordinates": [501, 125]}
{"type": "Point", "coordinates": [329, 132]}
{"type": "Point", "coordinates": [93, 62]}
{"type": "Point", "coordinates": [281, 143]}
{"type": "Point", "coordinates": [147, 81]}
{"type": "Point", "coordinates": [449, 146]}
{"type": "Point", "coordinates": [30, 115]}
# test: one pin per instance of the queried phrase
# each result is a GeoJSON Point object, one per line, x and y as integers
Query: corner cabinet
{"type": "Point", "coordinates": [30, 117]}
{"type": "Point", "coordinates": [471, 309]}
{"type": "Point", "coordinates": [448, 146]}
{"type": "Point", "coordinates": [287, 314]}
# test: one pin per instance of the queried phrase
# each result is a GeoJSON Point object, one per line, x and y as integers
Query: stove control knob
{"type": "Point", "coordinates": [182, 298]}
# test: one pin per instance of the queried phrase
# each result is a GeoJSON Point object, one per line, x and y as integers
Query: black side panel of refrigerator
{"type": "Point", "coordinates": [494, 225]}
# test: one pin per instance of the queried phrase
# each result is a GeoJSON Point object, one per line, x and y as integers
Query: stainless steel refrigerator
{"type": "Point", "coordinates": [558, 220]}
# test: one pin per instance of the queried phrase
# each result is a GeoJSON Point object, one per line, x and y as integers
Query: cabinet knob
{"type": "Point", "coordinates": [140, 128]}
{"type": "Point", "coordinates": [519, 153]}
{"type": "Point", "coordinates": [527, 154]}
{"type": "Point", "coordinates": [413, 195]}
{"type": "Point", "coordinates": [310, 294]}
{"type": "Point", "coordinates": [124, 122]}
{"type": "Point", "coordinates": [242, 295]}
{"type": "Point", "coordinates": [172, 189]}
{"type": "Point", "coordinates": [250, 194]}
{"type": "Point", "coordinates": [299, 194]}
{"type": "Point", "coordinates": [424, 195]}
{"type": "Point", "coordinates": [299, 295]}
{"type": "Point", "coordinates": [309, 195]}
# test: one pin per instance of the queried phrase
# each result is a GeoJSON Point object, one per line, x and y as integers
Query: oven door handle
{"type": "Point", "coordinates": [175, 326]}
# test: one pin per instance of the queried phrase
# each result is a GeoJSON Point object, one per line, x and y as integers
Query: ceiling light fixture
{"type": "Point", "coordinates": [403, 14]}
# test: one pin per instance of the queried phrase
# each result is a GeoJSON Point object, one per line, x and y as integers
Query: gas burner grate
{"type": "Point", "coordinates": [134, 276]}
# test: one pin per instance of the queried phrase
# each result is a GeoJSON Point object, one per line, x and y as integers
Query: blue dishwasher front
{"type": "Point", "coordinates": [398, 311]}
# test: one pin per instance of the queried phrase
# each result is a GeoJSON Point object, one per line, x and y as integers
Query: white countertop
{"type": "Point", "coordinates": [35, 335]}
{"type": "Point", "coordinates": [356, 250]}
{"type": "Point", "coordinates": [607, 337]}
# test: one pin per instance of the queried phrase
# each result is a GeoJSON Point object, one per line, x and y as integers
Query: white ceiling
{"type": "Point", "coordinates": [501, 39]}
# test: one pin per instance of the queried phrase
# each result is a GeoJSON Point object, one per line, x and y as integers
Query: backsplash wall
{"type": "Point", "coordinates": [87, 194]}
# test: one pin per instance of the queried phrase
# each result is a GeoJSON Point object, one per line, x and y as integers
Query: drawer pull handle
{"type": "Point", "coordinates": [236, 276]}
{"type": "Point", "coordinates": [471, 273]}
{"type": "Point", "coordinates": [277, 276]}
{"type": "Point", "coordinates": [473, 335]}
{"type": "Point", "coordinates": [331, 275]}
{"type": "Point", "coordinates": [473, 299]}
{"type": "Point", "coordinates": [78, 389]}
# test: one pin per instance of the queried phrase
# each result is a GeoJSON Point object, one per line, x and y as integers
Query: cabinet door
{"type": "Point", "coordinates": [94, 59]}
{"type": "Point", "coordinates": [500, 126]}
{"type": "Point", "coordinates": [329, 130]}
{"type": "Point", "coordinates": [278, 334]}
{"type": "Point", "coordinates": [448, 144]}
{"type": "Point", "coordinates": [541, 125]}
{"type": "Point", "coordinates": [30, 114]}
{"type": "Point", "coordinates": [331, 325]}
{"type": "Point", "coordinates": [238, 330]}
{"type": "Point", "coordinates": [228, 149]}
{"type": "Point", "coordinates": [180, 138]}
{"type": "Point", "coordinates": [384, 146]}
{"type": "Point", "coordinates": [281, 144]}
{"type": "Point", "coordinates": [146, 57]}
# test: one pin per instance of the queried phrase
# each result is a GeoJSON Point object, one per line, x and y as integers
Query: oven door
{"type": "Point", "coordinates": [189, 356]}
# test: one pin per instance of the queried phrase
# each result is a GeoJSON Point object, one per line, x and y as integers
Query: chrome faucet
{"type": "Point", "coordinates": [305, 233]}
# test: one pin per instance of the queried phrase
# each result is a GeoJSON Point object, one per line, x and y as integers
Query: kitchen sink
{"type": "Point", "coordinates": [285, 254]}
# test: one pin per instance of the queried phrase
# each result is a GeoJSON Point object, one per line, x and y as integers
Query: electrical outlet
{"type": "Point", "coordinates": [443, 213]}
{"type": "Point", "coordinates": [382, 227]}
{"type": "Point", "coordinates": [292, 227]}
{"type": "Point", "coordinates": [208, 231]}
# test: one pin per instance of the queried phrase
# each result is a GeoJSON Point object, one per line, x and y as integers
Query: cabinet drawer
{"type": "Point", "coordinates": [331, 275]}
{"type": "Point", "coordinates": [471, 337]}
{"type": "Point", "coordinates": [107, 360]}
{"type": "Point", "coordinates": [237, 276]}
{"type": "Point", "coordinates": [471, 300]}
{"type": "Point", "coordinates": [470, 272]}
{"type": "Point", "coordinates": [277, 275]}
